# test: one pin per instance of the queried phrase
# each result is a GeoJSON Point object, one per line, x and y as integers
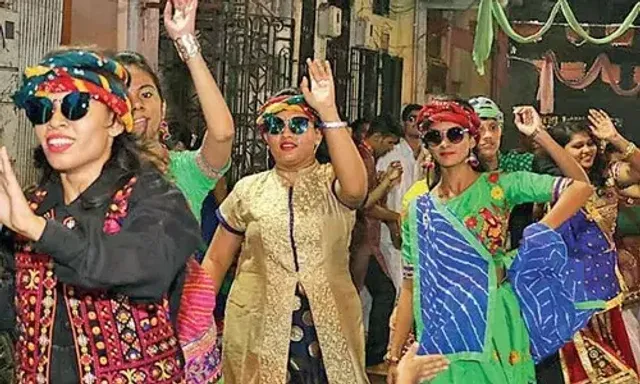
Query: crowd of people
{"type": "Point", "coordinates": [410, 247]}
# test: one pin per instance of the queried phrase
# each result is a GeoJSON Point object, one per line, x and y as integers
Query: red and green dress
{"type": "Point", "coordinates": [474, 251]}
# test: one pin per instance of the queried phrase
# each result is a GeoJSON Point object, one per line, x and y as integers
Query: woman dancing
{"type": "Point", "coordinates": [601, 353]}
{"type": "Point", "coordinates": [103, 240]}
{"type": "Point", "coordinates": [472, 300]}
{"type": "Point", "coordinates": [194, 172]}
{"type": "Point", "coordinates": [293, 314]}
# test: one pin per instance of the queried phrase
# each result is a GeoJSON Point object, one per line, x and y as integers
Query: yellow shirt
{"type": "Point", "coordinates": [418, 189]}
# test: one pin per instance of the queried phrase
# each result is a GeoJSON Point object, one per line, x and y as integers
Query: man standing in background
{"type": "Point", "coordinates": [410, 153]}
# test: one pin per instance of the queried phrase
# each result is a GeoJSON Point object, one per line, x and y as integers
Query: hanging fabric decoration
{"type": "Point", "coordinates": [602, 67]}
{"type": "Point", "coordinates": [490, 9]}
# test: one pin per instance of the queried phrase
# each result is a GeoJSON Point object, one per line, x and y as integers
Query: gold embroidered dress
{"type": "Point", "coordinates": [293, 235]}
{"type": "Point", "coordinates": [602, 352]}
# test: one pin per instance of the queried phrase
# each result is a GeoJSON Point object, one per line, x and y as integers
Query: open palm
{"type": "Point", "coordinates": [320, 93]}
{"type": "Point", "coordinates": [14, 208]}
{"type": "Point", "coordinates": [180, 17]}
{"type": "Point", "coordinates": [601, 125]}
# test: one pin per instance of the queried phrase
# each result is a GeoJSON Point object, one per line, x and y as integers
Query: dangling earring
{"type": "Point", "coordinates": [315, 147]}
{"type": "Point", "coordinates": [163, 132]}
{"type": "Point", "coordinates": [472, 160]}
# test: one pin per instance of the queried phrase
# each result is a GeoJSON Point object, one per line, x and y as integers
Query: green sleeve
{"type": "Point", "coordinates": [191, 179]}
{"type": "Point", "coordinates": [514, 161]}
{"type": "Point", "coordinates": [527, 187]}
{"type": "Point", "coordinates": [408, 239]}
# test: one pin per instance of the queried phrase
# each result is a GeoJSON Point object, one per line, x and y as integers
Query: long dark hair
{"type": "Point", "coordinates": [129, 58]}
{"type": "Point", "coordinates": [128, 153]}
{"type": "Point", "coordinates": [134, 59]}
{"type": "Point", "coordinates": [564, 132]}
{"type": "Point", "coordinates": [125, 160]}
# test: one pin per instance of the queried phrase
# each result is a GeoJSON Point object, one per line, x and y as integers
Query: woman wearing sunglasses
{"type": "Point", "coordinates": [195, 173]}
{"type": "Point", "coordinates": [484, 309]}
{"type": "Point", "coordinates": [102, 240]}
{"type": "Point", "coordinates": [293, 314]}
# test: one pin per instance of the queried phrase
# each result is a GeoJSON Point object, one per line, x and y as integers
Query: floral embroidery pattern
{"type": "Point", "coordinates": [116, 341]}
{"type": "Point", "coordinates": [497, 193]}
{"type": "Point", "coordinates": [471, 222]}
{"type": "Point", "coordinates": [493, 233]}
{"type": "Point", "coordinates": [490, 223]}
{"type": "Point", "coordinates": [118, 209]}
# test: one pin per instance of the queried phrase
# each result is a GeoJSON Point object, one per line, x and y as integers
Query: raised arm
{"type": "Point", "coordinates": [218, 140]}
{"type": "Point", "coordinates": [571, 200]}
{"type": "Point", "coordinates": [626, 172]}
{"type": "Point", "coordinates": [348, 166]}
{"type": "Point", "coordinates": [529, 123]}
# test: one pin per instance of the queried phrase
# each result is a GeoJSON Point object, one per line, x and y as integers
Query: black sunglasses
{"type": "Point", "coordinates": [74, 106]}
{"type": "Point", "coordinates": [454, 136]}
{"type": "Point", "coordinates": [275, 125]}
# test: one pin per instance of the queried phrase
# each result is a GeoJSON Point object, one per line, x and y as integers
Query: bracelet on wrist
{"type": "Point", "coordinates": [392, 359]}
{"type": "Point", "coordinates": [334, 125]}
{"type": "Point", "coordinates": [628, 152]}
{"type": "Point", "coordinates": [534, 133]}
{"type": "Point", "coordinates": [187, 46]}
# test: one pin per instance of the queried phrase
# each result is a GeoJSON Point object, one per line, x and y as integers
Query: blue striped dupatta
{"type": "Point", "coordinates": [458, 287]}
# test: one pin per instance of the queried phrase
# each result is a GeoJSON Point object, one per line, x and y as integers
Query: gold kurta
{"type": "Point", "coordinates": [279, 221]}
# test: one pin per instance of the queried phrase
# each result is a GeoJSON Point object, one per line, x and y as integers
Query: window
{"type": "Point", "coordinates": [9, 30]}
{"type": "Point", "coordinates": [381, 7]}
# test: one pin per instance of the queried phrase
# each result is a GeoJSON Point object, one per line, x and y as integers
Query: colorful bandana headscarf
{"type": "Point", "coordinates": [451, 111]}
{"type": "Point", "coordinates": [487, 109]}
{"type": "Point", "coordinates": [79, 70]}
{"type": "Point", "coordinates": [295, 103]}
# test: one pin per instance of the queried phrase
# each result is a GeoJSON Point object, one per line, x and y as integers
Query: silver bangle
{"type": "Point", "coordinates": [187, 46]}
{"type": "Point", "coordinates": [335, 124]}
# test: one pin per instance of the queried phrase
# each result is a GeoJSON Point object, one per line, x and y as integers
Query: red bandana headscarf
{"type": "Point", "coordinates": [446, 110]}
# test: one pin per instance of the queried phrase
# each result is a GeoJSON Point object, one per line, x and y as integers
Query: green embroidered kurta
{"type": "Point", "coordinates": [484, 209]}
{"type": "Point", "coordinates": [189, 177]}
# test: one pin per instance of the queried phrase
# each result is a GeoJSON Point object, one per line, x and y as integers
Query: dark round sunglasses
{"type": "Point", "coordinates": [74, 106]}
{"type": "Point", "coordinates": [454, 136]}
{"type": "Point", "coordinates": [275, 125]}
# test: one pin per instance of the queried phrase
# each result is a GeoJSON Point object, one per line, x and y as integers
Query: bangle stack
{"type": "Point", "coordinates": [628, 152]}
{"type": "Point", "coordinates": [534, 133]}
{"type": "Point", "coordinates": [187, 46]}
{"type": "Point", "coordinates": [392, 360]}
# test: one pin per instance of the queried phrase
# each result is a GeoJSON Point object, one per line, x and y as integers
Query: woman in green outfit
{"type": "Point", "coordinates": [491, 158]}
{"type": "Point", "coordinates": [194, 172]}
{"type": "Point", "coordinates": [462, 288]}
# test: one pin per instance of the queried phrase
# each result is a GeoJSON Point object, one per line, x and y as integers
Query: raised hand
{"type": "Point", "coordinates": [601, 125]}
{"type": "Point", "coordinates": [527, 120]}
{"type": "Point", "coordinates": [180, 17]}
{"type": "Point", "coordinates": [319, 90]}
{"type": "Point", "coordinates": [14, 208]}
{"type": "Point", "coordinates": [393, 174]}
